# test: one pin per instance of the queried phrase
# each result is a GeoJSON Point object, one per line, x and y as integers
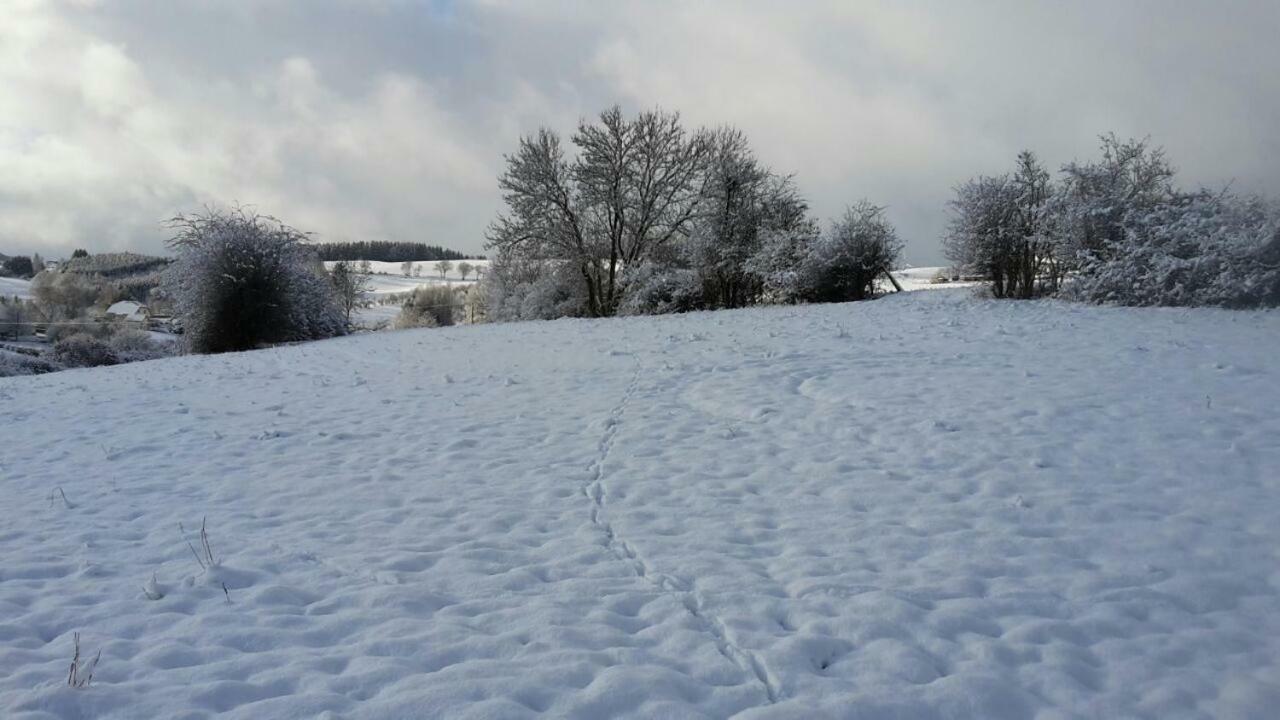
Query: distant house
{"type": "Point", "coordinates": [128, 311]}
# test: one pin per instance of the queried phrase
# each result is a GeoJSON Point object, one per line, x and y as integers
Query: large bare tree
{"type": "Point", "coordinates": [634, 187]}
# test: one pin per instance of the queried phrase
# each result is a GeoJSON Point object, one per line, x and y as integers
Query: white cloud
{"type": "Point", "coordinates": [389, 120]}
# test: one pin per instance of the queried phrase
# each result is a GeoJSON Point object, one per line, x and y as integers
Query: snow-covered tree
{"type": "Point", "coordinates": [18, 266]}
{"type": "Point", "coordinates": [17, 316]}
{"type": "Point", "coordinates": [522, 288]}
{"type": "Point", "coordinates": [843, 264]}
{"type": "Point", "coordinates": [443, 267]}
{"type": "Point", "coordinates": [475, 303]}
{"type": "Point", "coordinates": [743, 202]}
{"type": "Point", "coordinates": [1033, 267]}
{"type": "Point", "coordinates": [780, 260]}
{"type": "Point", "coordinates": [428, 306]}
{"type": "Point", "coordinates": [634, 188]}
{"type": "Point", "coordinates": [1131, 176]}
{"type": "Point", "coordinates": [350, 284]}
{"type": "Point", "coordinates": [1004, 228]}
{"type": "Point", "coordinates": [64, 296]}
{"type": "Point", "coordinates": [242, 280]}
{"type": "Point", "coordinates": [1192, 249]}
{"type": "Point", "coordinates": [465, 268]}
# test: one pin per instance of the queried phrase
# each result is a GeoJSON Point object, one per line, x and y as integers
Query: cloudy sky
{"type": "Point", "coordinates": [387, 119]}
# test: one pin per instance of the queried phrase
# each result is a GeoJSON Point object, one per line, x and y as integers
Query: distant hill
{"type": "Point", "coordinates": [115, 265]}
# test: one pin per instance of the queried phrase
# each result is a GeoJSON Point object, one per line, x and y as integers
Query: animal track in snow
{"type": "Point", "coordinates": [692, 601]}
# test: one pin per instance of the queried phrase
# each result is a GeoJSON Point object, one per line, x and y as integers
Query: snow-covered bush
{"type": "Point", "coordinates": [410, 320]}
{"type": "Point", "coordinates": [65, 296]}
{"type": "Point", "coordinates": [778, 263]}
{"type": "Point", "coordinates": [16, 317]}
{"type": "Point", "coordinates": [82, 326]}
{"type": "Point", "coordinates": [82, 350]}
{"type": "Point", "coordinates": [132, 345]}
{"type": "Point", "coordinates": [520, 288]}
{"type": "Point", "coordinates": [1004, 228]}
{"type": "Point", "coordinates": [428, 306]}
{"type": "Point", "coordinates": [657, 290]}
{"type": "Point", "coordinates": [242, 280]}
{"type": "Point", "coordinates": [15, 364]}
{"type": "Point", "coordinates": [1196, 249]}
{"type": "Point", "coordinates": [843, 264]}
{"type": "Point", "coordinates": [1131, 177]}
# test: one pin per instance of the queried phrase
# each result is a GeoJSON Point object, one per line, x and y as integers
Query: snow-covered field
{"type": "Point", "coordinates": [924, 506]}
{"type": "Point", "coordinates": [388, 277]}
{"type": "Point", "coordinates": [13, 287]}
{"type": "Point", "coordinates": [921, 278]}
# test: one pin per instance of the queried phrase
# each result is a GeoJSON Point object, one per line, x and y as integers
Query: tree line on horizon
{"type": "Point", "coordinates": [384, 251]}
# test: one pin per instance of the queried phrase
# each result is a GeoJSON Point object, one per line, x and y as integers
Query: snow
{"type": "Point", "coordinates": [921, 278]}
{"type": "Point", "coordinates": [388, 278]}
{"type": "Point", "coordinates": [925, 506]}
{"type": "Point", "coordinates": [14, 287]}
{"type": "Point", "coordinates": [128, 310]}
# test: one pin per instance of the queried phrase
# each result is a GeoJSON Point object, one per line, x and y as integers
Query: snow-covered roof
{"type": "Point", "coordinates": [129, 310]}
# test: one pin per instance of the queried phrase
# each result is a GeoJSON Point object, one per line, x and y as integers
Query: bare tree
{"type": "Point", "coordinates": [465, 268]}
{"type": "Point", "coordinates": [350, 284]}
{"type": "Point", "coordinates": [743, 203]}
{"type": "Point", "coordinates": [406, 268]}
{"type": "Point", "coordinates": [980, 235]}
{"type": "Point", "coordinates": [443, 267]}
{"type": "Point", "coordinates": [1008, 229]}
{"type": "Point", "coordinates": [634, 188]}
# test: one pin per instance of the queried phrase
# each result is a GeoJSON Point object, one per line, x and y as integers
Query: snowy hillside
{"type": "Point", "coordinates": [389, 278]}
{"type": "Point", "coordinates": [13, 287]}
{"type": "Point", "coordinates": [924, 506]}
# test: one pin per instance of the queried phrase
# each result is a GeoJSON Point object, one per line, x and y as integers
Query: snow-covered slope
{"type": "Point", "coordinates": [388, 277]}
{"type": "Point", "coordinates": [13, 287]}
{"type": "Point", "coordinates": [919, 507]}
